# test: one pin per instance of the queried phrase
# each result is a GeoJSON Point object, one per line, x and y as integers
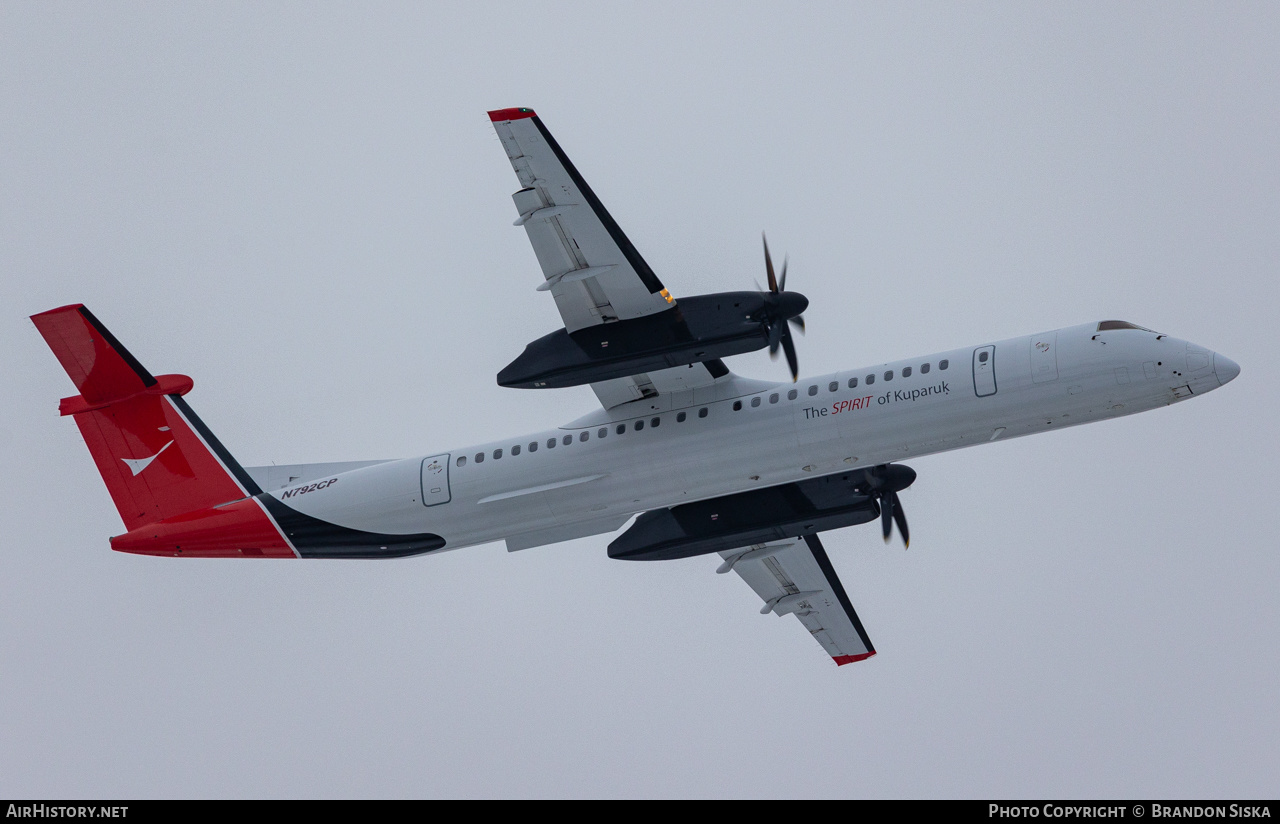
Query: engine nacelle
{"type": "Point", "coordinates": [697, 329]}
{"type": "Point", "coordinates": [756, 517]}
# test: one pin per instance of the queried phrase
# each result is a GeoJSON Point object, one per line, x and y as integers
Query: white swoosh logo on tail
{"type": "Point", "coordinates": [136, 465]}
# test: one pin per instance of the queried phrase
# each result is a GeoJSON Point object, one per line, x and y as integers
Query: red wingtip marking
{"type": "Point", "coordinates": [841, 660]}
{"type": "Point", "coordinates": [498, 115]}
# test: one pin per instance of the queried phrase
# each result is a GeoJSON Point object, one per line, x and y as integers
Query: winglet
{"type": "Point", "coordinates": [841, 660]}
{"type": "Point", "coordinates": [499, 115]}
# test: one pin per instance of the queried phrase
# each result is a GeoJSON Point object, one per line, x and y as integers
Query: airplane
{"type": "Point", "coordinates": [705, 461]}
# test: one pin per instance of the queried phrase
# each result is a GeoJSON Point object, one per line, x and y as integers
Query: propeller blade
{"type": "Point", "coordinates": [768, 265]}
{"type": "Point", "coordinates": [781, 310]}
{"type": "Point", "coordinates": [900, 518]}
{"type": "Point", "coordinates": [790, 349]}
{"type": "Point", "coordinates": [886, 515]}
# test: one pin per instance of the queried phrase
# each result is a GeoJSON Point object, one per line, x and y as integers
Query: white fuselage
{"type": "Point", "coordinates": [603, 469]}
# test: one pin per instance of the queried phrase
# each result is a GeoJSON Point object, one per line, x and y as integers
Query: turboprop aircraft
{"type": "Point", "coordinates": [704, 460]}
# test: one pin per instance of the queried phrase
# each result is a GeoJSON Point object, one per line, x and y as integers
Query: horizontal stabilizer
{"type": "Point", "coordinates": [100, 367]}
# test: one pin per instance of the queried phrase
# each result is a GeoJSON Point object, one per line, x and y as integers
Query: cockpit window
{"type": "Point", "coordinates": [1109, 325]}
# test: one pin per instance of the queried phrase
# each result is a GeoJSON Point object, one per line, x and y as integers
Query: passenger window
{"type": "Point", "coordinates": [654, 423]}
{"type": "Point", "coordinates": [551, 443]}
{"type": "Point", "coordinates": [620, 428]}
{"type": "Point", "coordinates": [479, 457]}
{"type": "Point", "coordinates": [639, 425]}
{"type": "Point", "coordinates": [755, 401]}
{"type": "Point", "coordinates": [833, 386]}
{"type": "Point", "coordinates": [773, 398]}
{"type": "Point", "coordinates": [584, 436]}
{"type": "Point", "coordinates": [515, 450]}
{"type": "Point", "coordinates": [702, 413]}
{"type": "Point", "coordinates": [737, 406]}
{"type": "Point", "coordinates": [497, 453]}
{"type": "Point", "coordinates": [943, 364]}
{"type": "Point", "coordinates": [924, 369]}
{"type": "Point", "coordinates": [567, 439]}
{"type": "Point", "coordinates": [604, 430]}
{"type": "Point", "coordinates": [888, 375]}
{"type": "Point", "coordinates": [871, 379]}
{"type": "Point", "coordinates": [462, 460]}
{"type": "Point", "coordinates": [853, 383]}
{"type": "Point", "coordinates": [792, 395]}
{"type": "Point", "coordinates": [906, 371]}
{"type": "Point", "coordinates": [813, 390]}
{"type": "Point", "coordinates": [533, 446]}
{"type": "Point", "coordinates": [680, 416]}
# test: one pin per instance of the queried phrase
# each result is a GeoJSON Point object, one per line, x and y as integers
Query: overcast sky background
{"type": "Point", "coordinates": [304, 207]}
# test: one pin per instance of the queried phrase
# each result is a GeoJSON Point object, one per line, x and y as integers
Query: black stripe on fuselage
{"type": "Point", "coordinates": [646, 274]}
{"type": "Point", "coordinates": [314, 538]}
{"type": "Point", "coordinates": [233, 466]}
{"type": "Point", "coordinates": [824, 563]}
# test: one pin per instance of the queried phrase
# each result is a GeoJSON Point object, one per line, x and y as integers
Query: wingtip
{"type": "Point", "coordinates": [841, 660]}
{"type": "Point", "coordinates": [500, 115]}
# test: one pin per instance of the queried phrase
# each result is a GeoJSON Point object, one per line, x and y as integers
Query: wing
{"type": "Point", "coordinates": [591, 268]}
{"type": "Point", "coordinates": [794, 576]}
{"type": "Point", "coordinates": [588, 264]}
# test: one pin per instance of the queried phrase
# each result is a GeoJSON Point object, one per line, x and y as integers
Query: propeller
{"type": "Point", "coordinates": [782, 310]}
{"type": "Point", "coordinates": [883, 483]}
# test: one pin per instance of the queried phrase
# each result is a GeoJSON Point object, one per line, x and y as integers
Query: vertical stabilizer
{"type": "Point", "coordinates": [157, 458]}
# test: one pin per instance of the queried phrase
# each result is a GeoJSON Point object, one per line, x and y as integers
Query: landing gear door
{"type": "Point", "coordinates": [435, 480]}
{"type": "Point", "coordinates": [984, 371]}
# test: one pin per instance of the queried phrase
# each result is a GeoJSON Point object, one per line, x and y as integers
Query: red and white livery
{"type": "Point", "coordinates": [709, 461]}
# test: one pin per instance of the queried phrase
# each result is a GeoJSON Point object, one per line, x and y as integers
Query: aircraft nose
{"type": "Point", "coordinates": [1225, 368]}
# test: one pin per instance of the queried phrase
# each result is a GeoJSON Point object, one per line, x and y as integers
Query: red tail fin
{"type": "Point", "coordinates": [157, 458]}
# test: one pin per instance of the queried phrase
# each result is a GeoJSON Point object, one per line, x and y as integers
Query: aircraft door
{"type": "Point", "coordinates": [435, 480]}
{"type": "Point", "coordinates": [984, 371]}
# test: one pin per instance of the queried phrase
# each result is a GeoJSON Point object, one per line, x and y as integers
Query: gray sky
{"type": "Point", "coordinates": [304, 207]}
